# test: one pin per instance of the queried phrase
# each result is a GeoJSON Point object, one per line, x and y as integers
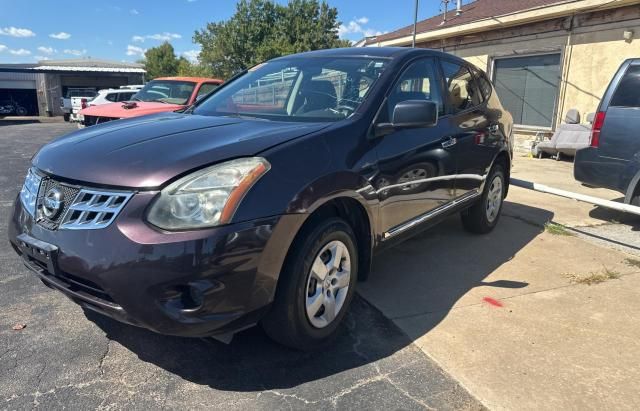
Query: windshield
{"type": "Point", "coordinates": [166, 91]}
{"type": "Point", "coordinates": [310, 89]}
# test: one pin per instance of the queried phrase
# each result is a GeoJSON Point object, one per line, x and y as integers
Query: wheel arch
{"type": "Point", "coordinates": [503, 157]}
{"type": "Point", "coordinates": [354, 209]}
{"type": "Point", "coordinates": [633, 190]}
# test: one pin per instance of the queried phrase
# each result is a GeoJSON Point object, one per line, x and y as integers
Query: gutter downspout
{"type": "Point", "coordinates": [568, 54]}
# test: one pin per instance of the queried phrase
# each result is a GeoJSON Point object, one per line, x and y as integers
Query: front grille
{"type": "Point", "coordinates": [94, 209]}
{"type": "Point", "coordinates": [69, 193]}
{"type": "Point", "coordinates": [79, 208]}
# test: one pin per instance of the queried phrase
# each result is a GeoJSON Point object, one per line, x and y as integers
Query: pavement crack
{"type": "Point", "coordinates": [104, 357]}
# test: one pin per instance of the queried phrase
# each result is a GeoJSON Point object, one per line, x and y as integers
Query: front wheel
{"type": "Point", "coordinates": [483, 216]}
{"type": "Point", "coordinates": [315, 287]}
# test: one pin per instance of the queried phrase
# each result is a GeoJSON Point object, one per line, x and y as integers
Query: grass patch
{"type": "Point", "coordinates": [632, 262]}
{"type": "Point", "coordinates": [594, 278]}
{"type": "Point", "coordinates": [556, 229]}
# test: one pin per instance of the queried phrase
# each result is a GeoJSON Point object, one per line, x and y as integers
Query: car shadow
{"type": "Point", "coordinates": [614, 216]}
{"type": "Point", "coordinates": [428, 274]}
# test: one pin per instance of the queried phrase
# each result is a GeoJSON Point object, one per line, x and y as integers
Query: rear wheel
{"type": "Point", "coordinates": [483, 216]}
{"type": "Point", "coordinates": [316, 287]}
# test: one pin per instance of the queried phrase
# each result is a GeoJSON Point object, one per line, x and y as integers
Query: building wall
{"type": "Point", "coordinates": [592, 48]}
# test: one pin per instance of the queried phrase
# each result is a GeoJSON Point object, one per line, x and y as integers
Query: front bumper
{"type": "Point", "coordinates": [194, 284]}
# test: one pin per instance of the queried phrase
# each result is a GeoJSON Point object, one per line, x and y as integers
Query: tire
{"type": "Point", "coordinates": [478, 219]}
{"type": "Point", "coordinates": [21, 111]}
{"type": "Point", "coordinates": [289, 322]}
{"type": "Point", "coordinates": [67, 117]}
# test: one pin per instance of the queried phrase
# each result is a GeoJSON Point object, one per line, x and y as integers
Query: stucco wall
{"type": "Point", "coordinates": [593, 60]}
{"type": "Point", "coordinates": [590, 59]}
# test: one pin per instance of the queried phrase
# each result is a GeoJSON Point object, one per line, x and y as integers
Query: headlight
{"type": "Point", "coordinates": [208, 197]}
{"type": "Point", "coordinates": [29, 192]}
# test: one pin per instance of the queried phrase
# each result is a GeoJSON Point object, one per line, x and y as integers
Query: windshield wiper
{"type": "Point", "coordinates": [159, 101]}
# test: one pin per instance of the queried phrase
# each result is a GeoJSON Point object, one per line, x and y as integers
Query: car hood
{"type": "Point", "coordinates": [148, 151]}
{"type": "Point", "coordinates": [137, 108]}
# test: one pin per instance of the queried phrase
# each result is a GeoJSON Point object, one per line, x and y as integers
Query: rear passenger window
{"type": "Point", "coordinates": [483, 83]}
{"type": "Point", "coordinates": [418, 82]}
{"type": "Point", "coordinates": [628, 91]}
{"type": "Point", "coordinates": [112, 97]}
{"type": "Point", "coordinates": [124, 96]}
{"type": "Point", "coordinates": [462, 91]}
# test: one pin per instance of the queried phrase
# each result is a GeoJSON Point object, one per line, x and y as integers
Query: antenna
{"type": "Point", "coordinates": [415, 23]}
{"type": "Point", "coordinates": [445, 5]}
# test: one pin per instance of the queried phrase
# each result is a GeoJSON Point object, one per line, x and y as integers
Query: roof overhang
{"type": "Point", "coordinates": [566, 8]}
{"type": "Point", "coordinates": [57, 69]}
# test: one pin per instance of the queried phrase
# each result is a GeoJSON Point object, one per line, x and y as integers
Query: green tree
{"type": "Point", "coordinates": [188, 69]}
{"type": "Point", "coordinates": [262, 29]}
{"type": "Point", "coordinates": [161, 61]}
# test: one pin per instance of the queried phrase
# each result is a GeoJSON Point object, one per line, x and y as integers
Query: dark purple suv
{"type": "Point", "coordinates": [265, 201]}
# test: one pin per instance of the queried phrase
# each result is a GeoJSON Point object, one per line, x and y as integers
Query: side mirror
{"type": "Point", "coordinates": [410, 114]}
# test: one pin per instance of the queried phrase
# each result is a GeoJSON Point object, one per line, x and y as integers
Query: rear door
{"type": "Point", "coordinates": [620, 135]}
{"type": "Point", "coordinates": [469, 127]}
{"type": "Point", "coordinates": [416, 173]}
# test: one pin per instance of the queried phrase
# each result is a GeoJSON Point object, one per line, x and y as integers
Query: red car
{"type": "Point", "coordinates": [159, 95]}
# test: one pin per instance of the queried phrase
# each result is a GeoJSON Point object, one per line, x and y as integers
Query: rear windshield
{"type": "Point", "coordinates": [297, 89]}
{"type": "Point", "coordinates": [166, 91]}
{"type": "Point", "coordinates": [628, 91]}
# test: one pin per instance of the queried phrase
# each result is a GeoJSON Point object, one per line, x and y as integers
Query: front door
{"type": "Point", "coordinates": [416, 166]}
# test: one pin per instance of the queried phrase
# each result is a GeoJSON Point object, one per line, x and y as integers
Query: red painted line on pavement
{"type": "Point", "coordinates": [492, 301]}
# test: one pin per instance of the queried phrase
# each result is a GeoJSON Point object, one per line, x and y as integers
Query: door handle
{"type": "Point", "coordinates": [493, 129]}
{"type": "Point", "coordinates": [450, 142]}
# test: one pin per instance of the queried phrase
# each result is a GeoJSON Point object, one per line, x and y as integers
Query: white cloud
{"type": "Point", "coordinates": [135, 51]}
{"type": "Point", "coordinates": [191, 1]}
{"type": "Point", "coordinates": [357, 26]}
{"type": "Point", "coordinates": [16, 32]}
{"type": "Point", "coordinates": [40, 58]}
{"type": "Point", "coordinates": [2, 47]}
{"type": "Point", "coordinates": [191, 55]}
{"type": "Point", "coordinates": [47, 50]}
{"type": "Point", "coordinates": [74, 52]}
{"type": "Point", "coordinates": [20, 52]}
{"type": "Point", "coordinates": [134, 12]}
{"type": "Point", "coordinates": [159, 37]}
{"type": "Point", "coordinates": [110, 42]}
{"type": "Point", "coordinates": [60, 36]}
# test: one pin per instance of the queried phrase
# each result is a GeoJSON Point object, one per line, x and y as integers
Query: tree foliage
{"type": "Point", "coordinates": [161, 61]}
{"type": "Point", "coordinates": [262, 29]}
{"type": "Point", "coordinates": [189, 69]}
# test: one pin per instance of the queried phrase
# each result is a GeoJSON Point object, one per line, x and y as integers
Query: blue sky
{"type": "Point", "coordinates": [32, 30]}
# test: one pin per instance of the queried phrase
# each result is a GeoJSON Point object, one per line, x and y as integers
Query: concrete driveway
{"type": "Point", "coordinates": [66, 358]}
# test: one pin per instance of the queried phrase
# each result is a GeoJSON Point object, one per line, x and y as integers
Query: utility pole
{"type": "Point", "coordinates": [415, 23]}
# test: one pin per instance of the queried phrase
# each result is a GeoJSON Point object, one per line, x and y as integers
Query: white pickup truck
{"type": "Point", "coordinates": [65, 102]}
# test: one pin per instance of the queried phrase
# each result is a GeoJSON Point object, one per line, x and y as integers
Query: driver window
{"type": "Point", "coordinates": [418, 82]}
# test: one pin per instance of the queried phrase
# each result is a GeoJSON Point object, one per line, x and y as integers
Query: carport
{"type": "Point", "coordinates": [39, 87]}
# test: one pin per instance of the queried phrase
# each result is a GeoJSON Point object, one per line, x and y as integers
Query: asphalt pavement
{"type": "Point", "coordinates": [68, 358]}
